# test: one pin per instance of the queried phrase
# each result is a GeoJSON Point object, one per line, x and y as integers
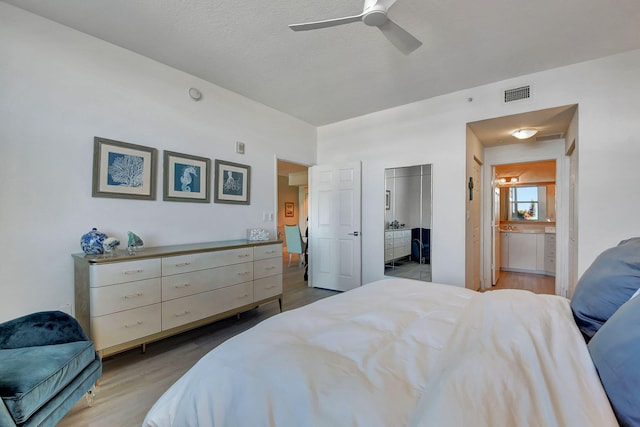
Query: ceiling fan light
{"type": "Point", "coordinates": [524, 133]}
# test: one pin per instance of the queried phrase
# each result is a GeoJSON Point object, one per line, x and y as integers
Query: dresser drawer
{"type": "Point", "coordinates": [180, 285]}
{"type": "Point", "coordinates": [189, 309]}
{"type": "Point", "coordinates": [401, 243]}
{"type": "Point", "coordinates": [267, 251]}
{"type": "Point", "coordinates": [113, 329]}
{"type": "Point", "coordinates": [194, 262]}
{"type": "Point", "coordinates": [124, 296]}
{"type": "Point", "coordinates": [122, 272]}
{"type": "Point", "coordinates": [267, 267]}
{"type": "Point", "coordinates": [388, 254]}
{"type": "Point", "coordinates": [267, 287]}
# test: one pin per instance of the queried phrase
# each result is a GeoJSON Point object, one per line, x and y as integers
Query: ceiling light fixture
{"type": "Point", "coordinates": [507, 181]}
{"type": "Point", "coordinates": [524, 133]}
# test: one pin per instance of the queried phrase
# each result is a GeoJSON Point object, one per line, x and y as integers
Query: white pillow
{"type": "Point", "coordinates": [635, 295]}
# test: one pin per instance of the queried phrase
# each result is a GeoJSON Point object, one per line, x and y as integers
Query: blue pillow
{"type": "Point", "coordinates": [608, 283]}
{"type": "Point", "coordinates": [615, 351]}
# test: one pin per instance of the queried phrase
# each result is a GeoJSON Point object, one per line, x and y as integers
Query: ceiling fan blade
{"type": "Point", "coordinates": [326, 23]}
{"type": "Point", "coordinates": [399, 37]}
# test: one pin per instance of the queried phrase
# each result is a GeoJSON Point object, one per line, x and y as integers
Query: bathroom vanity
{"type": "Point", "coordinates": [528, 251]}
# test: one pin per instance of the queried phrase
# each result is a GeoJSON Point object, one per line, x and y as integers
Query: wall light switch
{"type": "Point", "coordinates": [265, 216]}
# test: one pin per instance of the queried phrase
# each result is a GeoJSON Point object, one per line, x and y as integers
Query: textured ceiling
{"type": "Point", "coordinates": [549, 123]}
{"type": "Point", "coordinates": [333, 74]}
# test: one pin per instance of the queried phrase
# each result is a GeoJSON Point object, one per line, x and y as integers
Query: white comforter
{"type": "Point", "coordinates": [398, 353]}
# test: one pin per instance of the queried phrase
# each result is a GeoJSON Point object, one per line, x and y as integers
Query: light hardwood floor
{"type": "Point", "coordinates": [536, 283]}
{"type": "Point", "coordinates": [132, 381]}
{"type": "Point", "coordinates": [409, 270]}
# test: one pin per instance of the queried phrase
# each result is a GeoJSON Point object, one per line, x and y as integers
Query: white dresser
{"type": "Point", "coordinates": [397, 244]}
{"type": "Point", "coordinates": [126, 300]}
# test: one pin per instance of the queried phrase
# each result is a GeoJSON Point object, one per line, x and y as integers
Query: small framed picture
{"type": "Point", "coordinates": [387, 200]}
{"type": "Point", "coordinates": [186, 178]}
{"type": "Point", "coordinates": [123, 170]}
{"type": "Point", "coordinates": [288, 209]}
{"type": "Point", "coordinates": [233, 183]}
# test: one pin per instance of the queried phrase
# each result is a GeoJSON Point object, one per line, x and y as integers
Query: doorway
{"type": "Point", "coordinates": [491, 141]}
{"type": "Point", "coordinates": [292, 210]}
{"type": "Point", "coordinates": [524, 255]}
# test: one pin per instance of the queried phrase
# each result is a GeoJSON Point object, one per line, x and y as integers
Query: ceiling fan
{"type": "Point", "coordinates": [374, 14]}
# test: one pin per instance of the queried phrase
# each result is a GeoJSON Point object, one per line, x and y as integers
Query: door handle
{"type": "Point", "coordinates": [355, 233]}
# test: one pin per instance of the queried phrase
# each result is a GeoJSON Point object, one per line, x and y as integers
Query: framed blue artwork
{"type": "Point", "coordinates": [186, 178]}
{"type": "Point", "coordinates": [123, 170]}
{"type": "Point", "coordinates": [233, 183]}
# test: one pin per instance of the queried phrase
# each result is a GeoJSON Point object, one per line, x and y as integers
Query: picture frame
{"type": "Point", "coordinates": [233, 183]}
{"type": "Point", "coordinates": [288, 209]}
{"type": "Point", "coordinates": [186, 178]}
{"type": "Point", "coordinates": [387, 200]}
{"type": "Point", "coordinates": [123, 170]}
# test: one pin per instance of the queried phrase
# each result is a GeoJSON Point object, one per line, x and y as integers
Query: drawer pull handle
{"type": "Point", "coordinates": [184, 285]}
{"type": "Point", "coordinates": [271, 252]}
{"type": "Point", "coordinates": [133, 325]}
{"type": "Point", "coordinates": [133, 271]}
{"type": "Point", "coordinates": [243, 255]}
{"type": "Point", "coordinates": [270, 268]}
{"type": "Point", "coordinates": [243, 273]}
{"type": "Point", "coordinates": [244, 296]}
{"type": "Point", "coordinates": [138, 294]}
{"type": "Point", "coordinates": [184, 313]}
{"type": "Point", "coordinates": [271, 287]}
{"type": "Point", "coordinates": [183, 264]}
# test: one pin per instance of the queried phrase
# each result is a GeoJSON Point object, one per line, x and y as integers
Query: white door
{"type": "Point", "coordinates": [334, 226]}
{"type": "Point", "coordinates": [496, 255]}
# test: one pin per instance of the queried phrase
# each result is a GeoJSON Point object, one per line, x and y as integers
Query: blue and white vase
{"type": "Point", "coordinates": [91, 243]}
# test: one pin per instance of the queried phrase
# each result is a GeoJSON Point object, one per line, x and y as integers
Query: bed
{"type": "Point", "coordinates": [399, 352]}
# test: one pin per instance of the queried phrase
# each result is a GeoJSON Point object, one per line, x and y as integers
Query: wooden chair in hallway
{"type": "Point", "coordinates": [293, 239]}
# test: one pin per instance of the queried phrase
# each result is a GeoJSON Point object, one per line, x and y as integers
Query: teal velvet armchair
{"type": "Point", "coordinates": [46, 364]}
{"type": "Point", "coordinates": [294, 242]}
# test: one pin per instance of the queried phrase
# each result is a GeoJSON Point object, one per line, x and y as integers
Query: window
{"type": "Point", "coordinates": [525, 203]}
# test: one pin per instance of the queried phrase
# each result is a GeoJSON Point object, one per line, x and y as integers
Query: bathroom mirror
{"type": "Point", "coordinates": [407, 222]}
{"type": "Point", "coordinates": [531, 203]}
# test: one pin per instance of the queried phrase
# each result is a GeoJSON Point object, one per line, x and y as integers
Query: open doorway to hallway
{"type": "Point", "coordinates": [293, 212]}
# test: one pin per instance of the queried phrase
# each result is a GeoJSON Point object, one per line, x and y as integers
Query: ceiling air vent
{"type": "Point", "coordinates": [550, 137]}
{"type": "Point", "coordinates": [517, 94]}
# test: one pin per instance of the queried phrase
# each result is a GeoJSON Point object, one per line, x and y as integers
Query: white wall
{"type": "Point", "coordinates": [433, 131]}
{"type": "Point", "coordinates": [58, 89]}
